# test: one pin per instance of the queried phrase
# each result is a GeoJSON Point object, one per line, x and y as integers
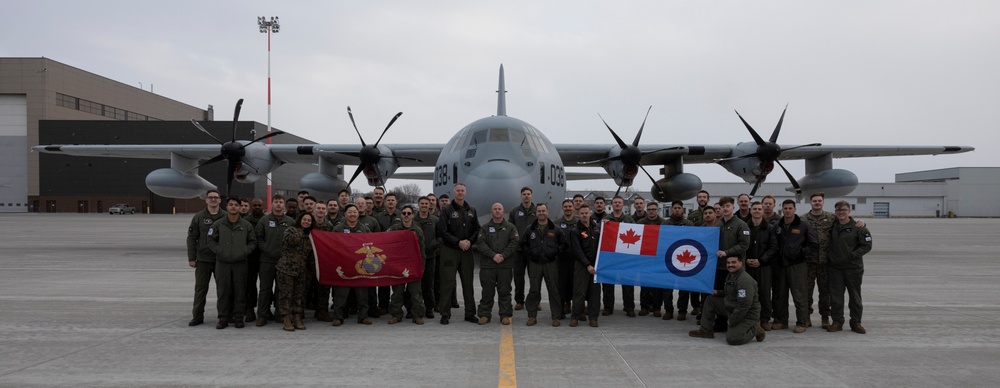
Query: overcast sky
{"type": "Point", "coordinates": [851, 72]}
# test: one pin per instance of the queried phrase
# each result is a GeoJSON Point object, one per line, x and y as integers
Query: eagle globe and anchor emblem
{"type": "Point", "coordinates": [371, 264]}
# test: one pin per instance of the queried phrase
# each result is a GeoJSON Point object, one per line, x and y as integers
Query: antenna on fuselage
{"type": "Point", "coordinates": [501, 96]}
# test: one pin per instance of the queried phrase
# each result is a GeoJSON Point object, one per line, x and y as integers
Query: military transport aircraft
{"type": "Point", "coordinates": [496, 156]}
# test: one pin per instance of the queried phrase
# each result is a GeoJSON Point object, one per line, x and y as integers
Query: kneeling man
{"type": "Point", "coordinates": [739, 302]}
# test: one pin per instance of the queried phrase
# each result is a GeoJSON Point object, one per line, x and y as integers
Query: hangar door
{"type": "Point", "coordinates": [880, 209]}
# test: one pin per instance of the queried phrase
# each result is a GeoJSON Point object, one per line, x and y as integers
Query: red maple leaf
{"type": "Point", "coordinates": [629, 237]}
{"type": "Point", "coordinates": [686, 258]}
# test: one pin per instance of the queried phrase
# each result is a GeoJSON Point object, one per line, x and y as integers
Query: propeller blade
{"type": "Point", "coordinates": [356, 172]}
{"type": "Point", "coordinates": [618, 191]}
{"type": "Point", "coordinates": [246, 163]}
{"type": "Point", "coordinates": [617, 139]}
{"type": "Point", "coordinates": [795, 183]}
{"type": "Point", "coordinates": [756, 137]}
{"type": "Point", "coordinates": [638, 135]}
{"type": "Point", "coordinates": [230, 172]}
{"type": "Point", "coordinates": [777, 128]}
{"type": "Point", "coordinates": [198, 125]}
{"type": "Point", "coordinates": [272, 134]}
{"type": "Point", "coordinates": [756, 186]}
{"type": "Point", "coordinates": [387, 127]}
{"type": "Point", "coordinates": [236, 118]}
{"type": "Point", "coordinates": [655, 182]}
{"type": "Point", "coordinates": [611, 159]}
{"type": "Point", "coordinates": [351, 115]}
{"type": "Point", "coordinates": [207, 162]}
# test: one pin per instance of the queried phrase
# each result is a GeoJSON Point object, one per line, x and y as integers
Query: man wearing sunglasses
{"type": "Point", "coordinates": [413, 289]}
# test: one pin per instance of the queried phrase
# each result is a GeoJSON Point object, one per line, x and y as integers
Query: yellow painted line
{"type": "Point", "coordinates": [508, 373]}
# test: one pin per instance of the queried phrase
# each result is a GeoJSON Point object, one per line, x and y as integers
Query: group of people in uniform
{"type": "Point", "coordinates": [764, 255]}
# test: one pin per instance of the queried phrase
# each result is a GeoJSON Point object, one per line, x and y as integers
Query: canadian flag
{"type": "Point", "coordinates": [633, 239]}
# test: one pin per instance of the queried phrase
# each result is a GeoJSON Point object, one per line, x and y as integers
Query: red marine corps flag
{"type": "Point", "coordinates": [367, 259]}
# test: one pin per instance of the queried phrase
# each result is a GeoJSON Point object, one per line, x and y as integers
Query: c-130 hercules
{"type": "Point", "coordinates": [494, 157]}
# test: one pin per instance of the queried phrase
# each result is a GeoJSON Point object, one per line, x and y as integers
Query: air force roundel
{"type": "Point", "coordinates": [685, 257]}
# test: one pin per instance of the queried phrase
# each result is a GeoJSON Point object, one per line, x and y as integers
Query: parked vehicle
{"type": "Point", "coordinates": [121, 208]}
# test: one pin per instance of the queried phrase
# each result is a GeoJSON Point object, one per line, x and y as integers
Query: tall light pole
{"type": "Point", "coordinates": [268, 26]}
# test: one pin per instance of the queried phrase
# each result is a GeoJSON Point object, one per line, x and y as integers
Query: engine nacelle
{"type": "Point", "coordinates": [678, 187]}
{"type": "Point", "coordinates": [622, 175]}
{"type": "Point", "coordinates": [257, 162]}
{"type": "Point", "coordinates": [833, 183]}
{"type": "Point", "coordinates": [171, 183]}
{"type": "Point", "coordinates": [322, 186]}
{"type": "Point", "coordinates": [383, 169]}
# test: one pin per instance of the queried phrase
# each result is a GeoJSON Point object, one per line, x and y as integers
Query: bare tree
{"type": "Point", "coordinates": [407, 193]}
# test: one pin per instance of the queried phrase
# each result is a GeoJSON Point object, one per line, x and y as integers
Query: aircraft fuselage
{"type": "Point", "coordinates": [495, 157]}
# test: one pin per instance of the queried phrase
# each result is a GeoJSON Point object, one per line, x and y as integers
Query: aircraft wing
{"type": "Point", "coordinates": [425, 154]}
{"type": "Point", "coordinates": [193, 151]}
{"type": "Point", "coordinates": [573, 154]}
{"type": "Point", "coordinates": [848, 151]}
{"type": "Point", "coordinates": [287, 153]}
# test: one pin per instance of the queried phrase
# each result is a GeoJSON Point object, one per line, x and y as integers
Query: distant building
{"type": "Point", "coordinates": [43, 101]}
{"type": "Point", "coordinates": [958, 192]}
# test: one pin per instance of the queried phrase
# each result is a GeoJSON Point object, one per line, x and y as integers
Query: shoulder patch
{"type": "Point", "coordinates": [742, 293]}
{"type": "Point", "coordinates": [211, 231]}
{"type": "Point", "coordinates": [746, 232]}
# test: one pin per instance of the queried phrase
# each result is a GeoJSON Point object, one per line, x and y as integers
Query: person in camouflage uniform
{"type": "Point", "coordinates": [296, 250]}
{"type": "Point", "coordinates": [821, 221]}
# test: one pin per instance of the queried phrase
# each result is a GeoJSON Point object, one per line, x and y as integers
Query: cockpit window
{"type": "Point", "coordinates": [517, 137]}
{"type": "Point", "coordinates": [499, 135]}
{"type": "Point", "coordinates": [478, 138]}
{"type": "Point", "coordinates": [460, 142]}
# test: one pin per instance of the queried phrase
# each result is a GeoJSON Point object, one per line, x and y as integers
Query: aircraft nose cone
{"type": "Point", "coordinates": [497, 182]}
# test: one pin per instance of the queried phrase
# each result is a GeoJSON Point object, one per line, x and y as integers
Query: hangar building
{"type": "Point", "coordinates": [43, 101]}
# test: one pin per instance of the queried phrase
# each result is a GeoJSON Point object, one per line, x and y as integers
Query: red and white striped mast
{"type": "Point", "coordinates": [268, 26]}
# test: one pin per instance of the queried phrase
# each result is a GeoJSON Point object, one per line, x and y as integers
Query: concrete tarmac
{"type": "Point", "coordinates": [100, 300]}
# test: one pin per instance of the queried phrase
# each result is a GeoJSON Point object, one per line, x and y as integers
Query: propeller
{"type": "Point", "coordinates": [768, 152]}
{"type": "Point", "coordinates": [231, 151]}
{"type": "Point", "coordinates": [630, 154]}
{"type": "Point", "coordinates": [369, 155]}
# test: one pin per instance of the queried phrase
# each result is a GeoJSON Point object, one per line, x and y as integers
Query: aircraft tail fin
{"type": "Point", "coordinates": [501, 96]}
